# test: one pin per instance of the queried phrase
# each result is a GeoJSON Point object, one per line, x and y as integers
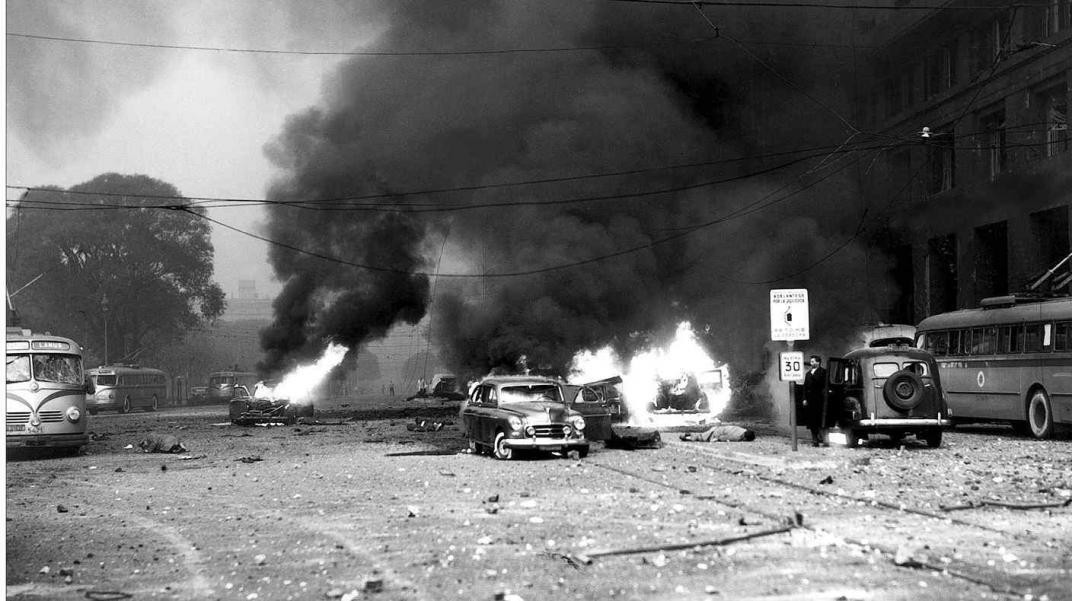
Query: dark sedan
{"type": "Point", "coordinates": [507, 413]}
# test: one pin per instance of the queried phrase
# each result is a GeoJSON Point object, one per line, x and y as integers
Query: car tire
{"type": "Point", "coordinates": [156, 404]}
{"type": "Point", "coordinates": [903, 390]}
{"type": "Point", "coordinates": [933, 437]}
{"type": "Point", "coordinates": [582, 452]}
{"type": "Point", "coordinates": [501, 450]}
{"type": "Point", "coordinates": [126, 406]}
{"type": "Point", "coordinates": [1040, 415]}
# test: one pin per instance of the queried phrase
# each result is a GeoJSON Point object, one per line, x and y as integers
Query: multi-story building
{"type": "Point", "coordinates": [972, 177]}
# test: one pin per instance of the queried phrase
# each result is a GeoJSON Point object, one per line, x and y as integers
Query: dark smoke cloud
{"type": "Point", "coordinates": [387, 125]}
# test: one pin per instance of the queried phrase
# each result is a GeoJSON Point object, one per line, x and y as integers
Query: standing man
{"type": "Point", "coordinates": [815, 400]}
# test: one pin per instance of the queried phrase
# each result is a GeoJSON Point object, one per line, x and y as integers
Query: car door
{"type": "Point", "coordinates": [587, 402]}
{"type": "Point", "coordinates": [471, 414]}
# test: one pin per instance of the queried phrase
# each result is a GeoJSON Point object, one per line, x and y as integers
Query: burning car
{"type": "Point", "coordinates": [894, 390]}
{"type": "Point", "coordinates": [264, 408]}
{"type": "Point", "coordinates": [507, 413]}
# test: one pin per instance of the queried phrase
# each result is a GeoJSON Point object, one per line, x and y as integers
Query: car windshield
{"type": "Point", "coordinates": [529, 392]}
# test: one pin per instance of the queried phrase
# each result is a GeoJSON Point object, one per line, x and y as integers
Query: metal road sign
{"type": "Point", "coordinates": [789, 314]}
{"type": "Point", "coordinates": [791, 366]}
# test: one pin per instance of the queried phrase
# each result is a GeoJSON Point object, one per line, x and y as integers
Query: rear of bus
{"type": "Point", "coordinates": [46, 399]}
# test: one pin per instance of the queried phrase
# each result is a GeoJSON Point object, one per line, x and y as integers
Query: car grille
{"type": "Point", "coordinates": [17, 417]}
{"type": "Point", "coordinates": [550, 431]}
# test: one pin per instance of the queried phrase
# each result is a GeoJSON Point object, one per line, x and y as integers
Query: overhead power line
{"type": "Point", "coordinates": [400, 53]}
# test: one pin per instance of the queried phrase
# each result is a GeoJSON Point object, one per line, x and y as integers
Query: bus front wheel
{"type": "Point", "coordinates": [126, 406]}
{"type": "Point", "coordinates": [1040, 415]}
{"type": "Point", "coordinates": [155, 405]}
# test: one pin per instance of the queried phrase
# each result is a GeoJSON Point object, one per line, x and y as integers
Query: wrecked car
{"type": "Point", "coordinates": [247, 410]}
{"type": "Point", "coordinates": [504, 414]}
{"type": "Point", "coordinates": [894, 390]}
{"type": "Point", "coordinates": [682, 394]}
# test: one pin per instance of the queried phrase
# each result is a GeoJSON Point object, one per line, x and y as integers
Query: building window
{"type": "Point", "coordinates": [994, 143]}
{"type": "Point", "coordinates": [942, 161]}
{"type": "Point", "coordinates": [1057, 16]}
{"type": "Point", "coordinates": [941, 267]}
{"type": "Point", "coordinates": [1054, 106]}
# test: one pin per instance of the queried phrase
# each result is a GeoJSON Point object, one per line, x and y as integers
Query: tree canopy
{"type": "Point", "coordinates": [110, 267]}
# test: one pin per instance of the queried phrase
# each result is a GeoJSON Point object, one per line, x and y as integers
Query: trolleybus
{"type": "Point", "coordinates": [46, 395]}
{"type": "Point", "coordinates": [124, 388]}
{"type": "Point", "coordinates": [1008, 361]}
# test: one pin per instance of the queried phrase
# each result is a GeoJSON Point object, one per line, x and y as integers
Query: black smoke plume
{"type": "Point", "coordinates": [658, 88]}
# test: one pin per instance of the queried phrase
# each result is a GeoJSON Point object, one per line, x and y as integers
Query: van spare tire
{"type": "Point", "coordinates": [903, 390]}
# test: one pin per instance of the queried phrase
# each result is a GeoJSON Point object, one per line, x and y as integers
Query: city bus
{"type": "Point", "coordinates": [221, 385]}
{"type": "Point", "coordinates": [1010, 360]}
{"type": "Point", "coordinates": [125, 387]}
{"type": "Point", "coordinates": [46, 394]}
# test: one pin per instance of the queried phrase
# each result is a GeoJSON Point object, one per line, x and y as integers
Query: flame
{"type": "Point", "coordinates": [298, 385]}
{"type": "Point", "coordinates": [642, 374]}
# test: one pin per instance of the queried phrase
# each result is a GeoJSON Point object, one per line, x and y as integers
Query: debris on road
{"type": "Point", "coordinates": [250, 459]}
{"type": "Point", "coordinates": [426, 425]}
{"type": "Point", "coordinates": [589, 557]}
{"type": "Point", "coordinates": [1006, 505]}
{"type": "Point", "coordinates": [162, 443]}
{"type": "Point", "coordinates": [633, 437]}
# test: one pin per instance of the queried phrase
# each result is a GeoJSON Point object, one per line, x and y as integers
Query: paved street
{"type": "Point", "coordinates": [359, 506]}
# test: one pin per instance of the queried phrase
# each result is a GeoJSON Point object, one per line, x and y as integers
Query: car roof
{"type": "Point", "coordinates": [515, 380]}
{"type": "Point", "coordinates": [899, 351]}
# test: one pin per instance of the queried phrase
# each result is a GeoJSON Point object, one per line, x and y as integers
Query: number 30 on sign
{"type": "Point", "coordinates": [791, 366]}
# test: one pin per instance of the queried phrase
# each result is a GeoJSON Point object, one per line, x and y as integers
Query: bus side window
{"type": "Point", "coordinates": [1033, 338]}
{"type": "Point", "coordinates": [1017, 339]}
{"type": "Point", "coordinates": [1061, 336]}
{"type": "Point", "coordinates": [1003, 339]}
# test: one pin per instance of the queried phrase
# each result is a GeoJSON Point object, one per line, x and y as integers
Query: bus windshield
{"type": "Point", "coordinates": [61, 369]}
{"type": "Point", "coordinates": [106, 380]}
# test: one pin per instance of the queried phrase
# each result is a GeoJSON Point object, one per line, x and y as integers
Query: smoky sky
{"type": "Point", "coordinates": [660, 102]}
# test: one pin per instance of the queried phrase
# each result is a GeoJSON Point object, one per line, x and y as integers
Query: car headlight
{"type": "Point", "coordinates": [109, 395]}
{"type": "Point", "coordinates": [578, 422]}
{"type": "Point", "coordinates": [515, 422]}
{"type": "Point", "coordinates": [73, 414]}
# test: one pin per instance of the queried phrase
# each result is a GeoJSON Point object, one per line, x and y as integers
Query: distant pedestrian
{"type": "Point", "coordinates": [392, 389]}
{"type": "Point", "coordinates": [815, 401]}
{"type": "Point", "coordinates": [420, 385]}
{"type": "Point", "coordinates": [383, 389]}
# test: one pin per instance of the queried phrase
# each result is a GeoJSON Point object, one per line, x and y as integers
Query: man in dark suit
{"type": "Point", "coordinates": [815, 409]}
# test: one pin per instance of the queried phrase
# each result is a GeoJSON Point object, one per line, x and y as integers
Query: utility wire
{"type": "Point", "coordinates": [388, 53]}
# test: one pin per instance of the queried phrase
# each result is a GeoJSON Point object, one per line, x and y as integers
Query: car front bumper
{"type": "Point", "coordinates": [546, 444]}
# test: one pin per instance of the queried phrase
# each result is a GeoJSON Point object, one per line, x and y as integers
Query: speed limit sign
{"type": "Point", "coordinates": [791, 366]}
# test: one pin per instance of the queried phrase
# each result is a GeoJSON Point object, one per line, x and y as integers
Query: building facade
{"type": "Point", "coordinates": [971, 166]}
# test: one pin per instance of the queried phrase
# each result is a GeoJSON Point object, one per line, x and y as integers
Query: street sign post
{"type": "Point", "coordinates": [790, 321]}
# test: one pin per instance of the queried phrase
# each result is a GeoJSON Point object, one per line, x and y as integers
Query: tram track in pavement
{"type": "Point", "coordinates": [797, 507]}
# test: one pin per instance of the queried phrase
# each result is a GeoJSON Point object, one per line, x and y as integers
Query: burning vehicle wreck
{"type": "Point", "coordinates": [263, 408]}
{"type": "Point", "coordinates": [504, 414]}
